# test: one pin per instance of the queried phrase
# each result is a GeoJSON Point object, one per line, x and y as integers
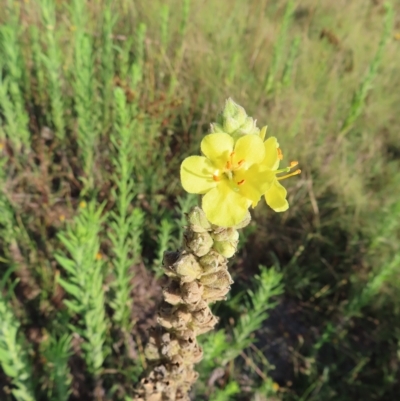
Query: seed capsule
{"type": "Point", "coordinates": [191, 292]}
{"type": "Point", "coordinates": [198, 243]}
{"type": "Point", "coordinates": [187, 268]}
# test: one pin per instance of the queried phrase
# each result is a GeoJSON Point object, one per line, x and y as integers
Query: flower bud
{"type": "Point", "coordinates": [212, 262]}
{"type": "Point", "coordinates": [215, 294]}
{"type": "Point", "coordinates": [226, 234]}
{"type": "Point", "coordinates": [208, 278]}
{"type": "Point", "coordinates": [230, 125]}
{"type": "Point", "coordinates": [221, 279]}
{"type": "Point", "coordinates": [225, 248]}
{"type": "Point", "coordinates": [248, 126]}
{"type": "Point", "coordinates": [198, 221]}
{"type": "Point", "coordinates": [216, 128]}
{"type": "Point", "coordinates": [233, 112]}
{"type": "Point", "coordinates": [187, 267]}
{"type": "Point", "coordinates": [198, 243]}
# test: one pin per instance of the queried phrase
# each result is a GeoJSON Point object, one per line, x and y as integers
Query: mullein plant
{"type": "Point", "coordinates": [237, 168]}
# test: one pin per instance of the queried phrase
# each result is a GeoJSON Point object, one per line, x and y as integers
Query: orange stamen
{"type": "Point", "coordinates": [280, 153]}
{"type": "Point", "coordinates": [298, 171]}
{"type": "Point", "coordinates": [241, 182]}
{"type": "Point", "coordinates": [216, 178]}
{"type": "Point", "coordinates": [241, 162]}
{"type": "Point", "coordinates": [294, 163]}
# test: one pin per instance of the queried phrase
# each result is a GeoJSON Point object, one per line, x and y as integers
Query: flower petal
{"type": "Point", "coordinates": [249, 148]}
{"type": "Point", "coordinates": [225, 207]}
{"type": "Point", "coordinates": [276, 197]}
{"type": "Point", "coordinates": [254, 182]}
{"type": "Point", "coordinates": [271, 154]}
{"type": "Point", "coordinates": [217, 148]}
{"type": "Point", "coordinates": [197, 175]}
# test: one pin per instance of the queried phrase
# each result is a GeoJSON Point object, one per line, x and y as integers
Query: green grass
{"type": "Point", "coordinates": [99, 104]}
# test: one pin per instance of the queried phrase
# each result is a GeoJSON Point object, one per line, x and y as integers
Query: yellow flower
{"type": "Point", "coordinates": [230, 175]}
{"type": "Point", "coordinates": [275, 196]}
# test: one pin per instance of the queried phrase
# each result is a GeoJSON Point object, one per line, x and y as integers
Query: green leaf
{"type": "Point", "coordinates": [70, 288]}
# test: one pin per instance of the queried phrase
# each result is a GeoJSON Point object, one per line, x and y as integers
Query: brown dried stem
{"type": "Point", "coordinates": [198, 276]}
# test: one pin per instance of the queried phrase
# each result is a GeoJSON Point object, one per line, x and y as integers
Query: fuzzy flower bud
{"type": "Point", "coordinates": [234, 121]}
{"type": "Point", "coordinates": [187, 268]}
{"type": "Point", "coordinates": [198, 243]}
{"type": "Point", "coordinates": [226, 234]}
{"type": "Point", "coordinates": [198, 221]}
{"type": "Point", "coordinates": [215, 294]}
{"type": "Point", "coordinates": [226, 248]}
{"type": "Point", "coordinates": [248, 128]}
{"type": "Point", "coordinates": [216, 128]}
{"type": "Point", "coordinates": [230, 125]}
{"type": "Point", "coordinates": [212, 262]}
{"type": "Point", "coordinates": [233, 115]}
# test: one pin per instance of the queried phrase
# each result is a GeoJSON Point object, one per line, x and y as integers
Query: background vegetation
{"type": "Point", "coordinates": [99, 103]}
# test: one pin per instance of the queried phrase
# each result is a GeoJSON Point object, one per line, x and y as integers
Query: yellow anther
{"type": "Point", "coordinates": [280, 153]}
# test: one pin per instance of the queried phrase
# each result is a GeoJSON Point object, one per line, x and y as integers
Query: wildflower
{"type": "Point", "coordinates": [275, 196]}
{"type": "Point", "coordinates": [230, 175]}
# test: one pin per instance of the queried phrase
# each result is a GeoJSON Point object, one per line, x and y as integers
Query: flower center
{"type": "Point", "coordinates": [229, 169]}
